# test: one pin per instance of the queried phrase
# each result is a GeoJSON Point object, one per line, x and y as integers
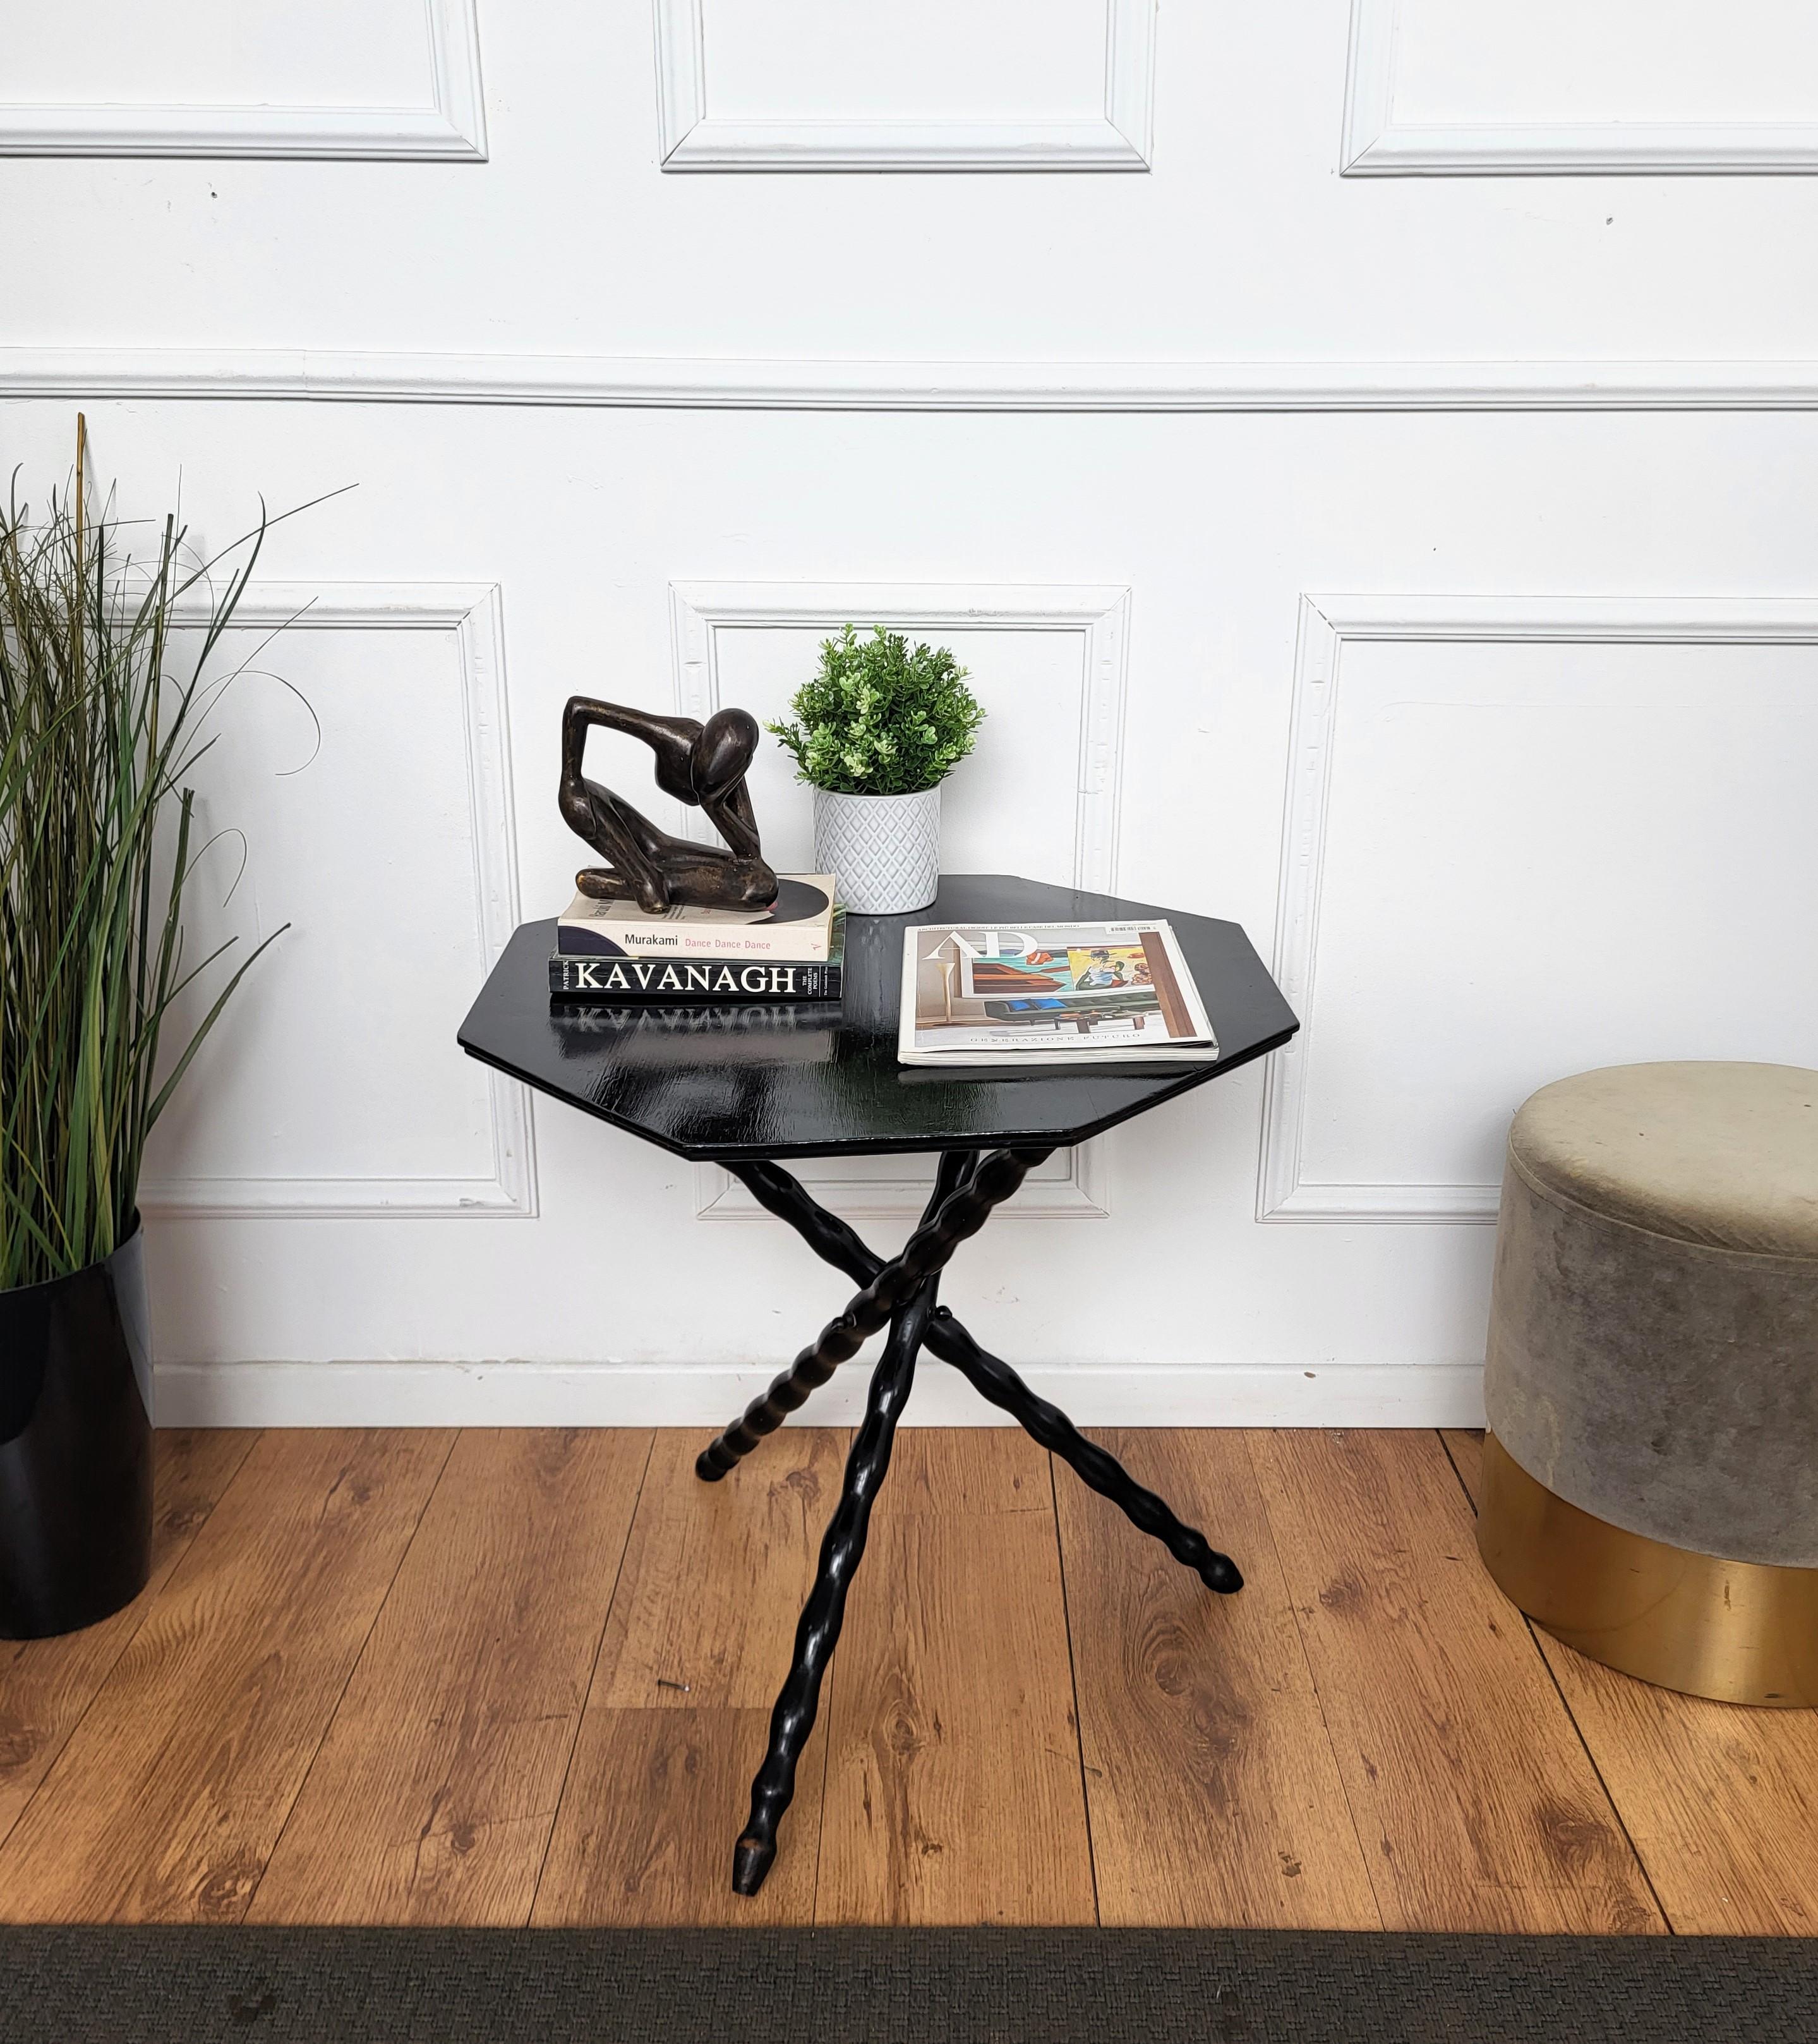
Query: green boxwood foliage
{"type": "Point", "coordinates": [881, 717]}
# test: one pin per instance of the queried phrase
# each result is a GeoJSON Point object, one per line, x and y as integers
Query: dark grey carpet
{"type": "Point", "coordinates": [83, 1986]}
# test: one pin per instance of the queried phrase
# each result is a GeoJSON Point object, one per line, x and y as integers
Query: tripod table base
{"type": "Point", "coordinates": [900, 1293]}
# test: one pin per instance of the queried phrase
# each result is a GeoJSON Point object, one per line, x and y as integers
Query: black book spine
{"type": "Point", "coordinates": [666, 982]}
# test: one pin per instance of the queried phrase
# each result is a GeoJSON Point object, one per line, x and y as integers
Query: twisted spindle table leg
{"type": "Point", "coordinates": [993, 1378]}
{"type": "Point", "coordinates": [842, 1548]}
{"type": "Point", "coordinates": [962, 1213]}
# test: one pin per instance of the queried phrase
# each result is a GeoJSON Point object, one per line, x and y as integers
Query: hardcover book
{"type": "Point", "coordinates": [1061, 993]}
{"type": "Point", "coordinates": [798, 925]}
{"type": "Point", "coordinates": [664, 982]}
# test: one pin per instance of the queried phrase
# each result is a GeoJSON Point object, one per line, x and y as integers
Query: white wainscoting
{"type": "Point", "coordinates": [241, 116]}
{"type": "Point", "coordinates": [686, 421]}
{"type": "Point", "coordinates": [1115, 136]}
{"type": "Point", "coordinates": [400, 936]}
{"type": "Point", "coordinates": [1379, 141]}
{"type": "Point", "coordinates": [1655, 851]}
{"type": "Point", "coordinates": [1040, 794]}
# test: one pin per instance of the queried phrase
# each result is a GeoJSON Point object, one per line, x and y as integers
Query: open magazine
{"type": "Point", "coordinates": [1053, 993]}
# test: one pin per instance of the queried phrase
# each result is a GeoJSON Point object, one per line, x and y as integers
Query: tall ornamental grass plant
{"type": "Point", "coordinates": [97, 734]}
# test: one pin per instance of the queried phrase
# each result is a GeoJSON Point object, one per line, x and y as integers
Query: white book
{"type": "Point", "coordinates": [1049, 993]}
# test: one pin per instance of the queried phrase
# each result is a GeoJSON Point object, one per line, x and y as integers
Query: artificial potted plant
{"type": "Point", "coordinates": [97, 731]}
{"type": "Point", "coordinates": [876, 732]}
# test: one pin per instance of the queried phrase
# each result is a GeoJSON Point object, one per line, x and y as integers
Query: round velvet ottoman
{"type": "Point", "coordinates": [1649, 1489]}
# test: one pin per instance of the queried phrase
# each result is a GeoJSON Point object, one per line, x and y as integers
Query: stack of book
{"type": "Point", "coordinates": [615, 954]}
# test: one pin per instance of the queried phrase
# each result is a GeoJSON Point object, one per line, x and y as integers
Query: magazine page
{"type": "Point", "coordinates": [1049, 993]}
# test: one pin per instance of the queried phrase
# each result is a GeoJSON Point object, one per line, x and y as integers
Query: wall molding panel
{"type": "Point", "coordinates": [1328, 623]}
{"type": "Point", "coordinates": [1098, 613]}
{"type": "Point", "coordinates": [1081, 1192]}
{"type": "Point", "coordinates": [451, 128]}
{"type": "Point", "coordinates": [472, 613]}
{"type": "Point", "coordinates": [800, 384]}
{"type": "Point", "coordinates": [692, 138]}
{"type": "Point", "coordinates": [1376, 144]}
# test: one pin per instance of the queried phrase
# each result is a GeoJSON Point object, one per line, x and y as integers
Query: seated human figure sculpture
{"type": "Point", "coordinates": [701, 764]}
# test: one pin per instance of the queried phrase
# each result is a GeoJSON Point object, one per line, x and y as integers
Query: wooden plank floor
{"type": "Point", "coordinates": [501, 1677]}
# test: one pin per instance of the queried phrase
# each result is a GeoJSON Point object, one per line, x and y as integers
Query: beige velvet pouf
{"type": "Point", "coordinates": [1651, 1479]}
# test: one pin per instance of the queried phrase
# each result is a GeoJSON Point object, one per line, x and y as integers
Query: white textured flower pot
{"type": "Point", "coordinates": [883, 850]}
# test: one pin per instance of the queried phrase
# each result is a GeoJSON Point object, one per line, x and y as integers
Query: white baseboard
{"type": "Point", "coordinates": [536, 1394]}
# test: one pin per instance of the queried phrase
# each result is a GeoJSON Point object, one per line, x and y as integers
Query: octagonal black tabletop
{"type": "Point", "coordinates": [821, 1077]}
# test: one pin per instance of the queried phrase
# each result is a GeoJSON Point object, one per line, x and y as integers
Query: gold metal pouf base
{"type": "Point", "coordinates": [1739, 1632]}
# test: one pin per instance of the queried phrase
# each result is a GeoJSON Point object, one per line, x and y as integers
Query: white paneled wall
{"type": "Point", "coordinates": [220, 78]}
{"type": "Point", "coordinates": [944, 85]}
{"type": "Point", "coordinates": [1555, 85]}
{"type": "Point", "coordinates": [386, 710]}
{"type": "Point", "coordinates": [1350, 531]}
{"type": "Point", "coordinates": [1594, 813]}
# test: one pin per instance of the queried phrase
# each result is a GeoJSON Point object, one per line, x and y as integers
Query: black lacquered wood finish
{"type": "Point", "coordinates": [949, 1220]}
{"type": "Point", "coordinates": [743, 1086]}
{"type": "Point", "coordinates": [967, 1186]}
{"type": "Point", "coordinates": [821, 1078]}
{"type": "Point", "coordinates": [842, 1547]}
{"type": "Point", "coordinates": [993, 1379]}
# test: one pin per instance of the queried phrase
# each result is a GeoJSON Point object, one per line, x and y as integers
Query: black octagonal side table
{"type": "Point", "coordinates": [743, 1087]}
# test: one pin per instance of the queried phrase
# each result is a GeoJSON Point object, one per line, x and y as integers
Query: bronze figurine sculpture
{"type": "Point", "coordinates": [701, 764]}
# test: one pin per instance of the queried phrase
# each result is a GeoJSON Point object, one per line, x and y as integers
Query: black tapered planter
{"type": "Point", "coordinates": [75, 1446]}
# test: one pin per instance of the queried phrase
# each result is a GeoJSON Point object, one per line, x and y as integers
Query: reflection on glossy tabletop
{"type": "Point", "coordinates": [821, 1077]}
